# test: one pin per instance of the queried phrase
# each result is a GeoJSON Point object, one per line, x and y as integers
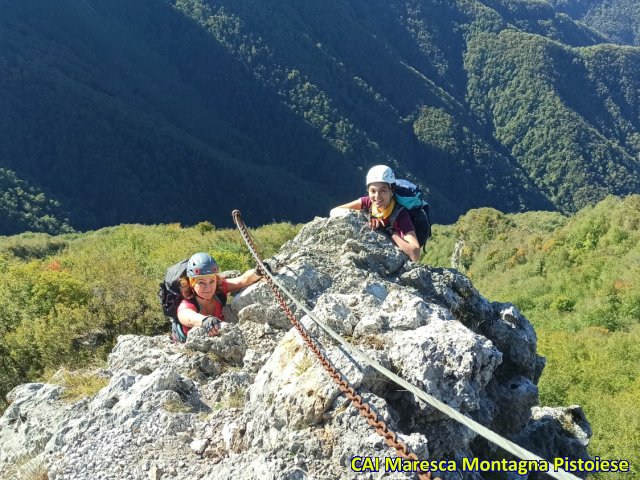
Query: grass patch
{"type": "Point", "coordinates": [304, 364]}
{"type": "Point", "coordinates": [176, 406]}
{"type": "Point", "coordinates": [372, 341]}
{"type": "Point", "coordinates": [26, 468]}
{"type": "Point", "coordinates": [236, 399]}
{"type": "Point", "coordinates": [79, 385]}
{"type": "Point", "coordinates": [35, 471]}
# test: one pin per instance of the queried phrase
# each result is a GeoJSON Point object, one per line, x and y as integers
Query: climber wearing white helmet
{"type": "Point", "coordinates": [380, 203]}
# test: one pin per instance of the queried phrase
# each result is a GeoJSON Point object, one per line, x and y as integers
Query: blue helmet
{"type": "Point", "coordinates": [201, 264]}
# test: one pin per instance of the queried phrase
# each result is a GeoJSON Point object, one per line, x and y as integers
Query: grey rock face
{"type": "Point", "coordinates": [446, 360]}
{"type": "Point", "coordinates": [255, 402]}
{"type": "Point", "coordinates": [32, 418]}
{"type": "Point", "coordinates": [568, 427]}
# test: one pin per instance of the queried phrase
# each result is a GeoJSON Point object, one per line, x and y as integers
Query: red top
{"type": "Point", "coordinates": [190, 303]}
{"type": "Point", "coordinates": [403, 223]}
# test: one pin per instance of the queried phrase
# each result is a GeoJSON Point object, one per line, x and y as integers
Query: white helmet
{"type": "Point", "coordinates": [381, 173]}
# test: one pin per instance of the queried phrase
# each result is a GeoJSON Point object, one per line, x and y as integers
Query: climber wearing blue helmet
{"type": "Point", "coordinates": [202, 290]}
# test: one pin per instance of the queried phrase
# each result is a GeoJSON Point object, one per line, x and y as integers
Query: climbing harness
{"type": "Point", "coordinates": [364, 409]}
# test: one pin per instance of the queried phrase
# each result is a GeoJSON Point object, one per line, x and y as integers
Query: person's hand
{"type": "Point", "coordinates": [376, 223]}
{"type": "Point", "coordinates": [260, 272]}
{"type": "Point", "coordinates": [339, 212]}
{"type": "Point", "coordinates": [211, 325]}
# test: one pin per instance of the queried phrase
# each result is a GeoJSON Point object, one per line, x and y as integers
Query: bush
{"type": "Point", "coordinates": [64, 300]}
{"type": "Point", "coordinates": [563, 304]}
{"type": "Point", "coordinates": [576, 279]}
{"type": "Point", "coordinates": [205, 227]}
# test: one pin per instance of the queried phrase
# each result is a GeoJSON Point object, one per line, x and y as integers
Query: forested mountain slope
{"type": "Point", "coordinates": [179, 111]}
{"type": "Point", "coordinates": [619, 20]}
{"type": "Point", "coordinates": [23, 207]}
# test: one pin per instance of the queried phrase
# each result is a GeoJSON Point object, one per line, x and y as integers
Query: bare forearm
{"type": "Point", "coordinates": [191, 318]}
{"type": "Point", "coordinates": [412, 251]}
{"type": "Point", "coordinates": [247, 278]}
{"type": "Point", "coordinates": [340, 210]}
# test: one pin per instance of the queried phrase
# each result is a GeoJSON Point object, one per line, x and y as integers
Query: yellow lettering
{"type": "Point", "coordinates": [392, 464]}
{"type": "Point", "coordinates": [365, 464]}
{"type": "Point", "coordinates": [368, 465]}
{"type": "Point", "coordinates": [469, 465]}
{"type": "Point", "coordinates": [557, 463]}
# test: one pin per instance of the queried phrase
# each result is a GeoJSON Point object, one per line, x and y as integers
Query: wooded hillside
{"type": "Point", "coordinates": [180, 111]}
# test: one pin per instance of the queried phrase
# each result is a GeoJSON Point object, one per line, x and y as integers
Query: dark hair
{"type": "Point", "coordinates": [392, 186]}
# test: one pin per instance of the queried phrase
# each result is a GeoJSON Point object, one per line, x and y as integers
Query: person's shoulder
{"type": "Point", "coordinates": [404, 222]}
{"type": "Point", "coordinates": [187, 303]}
{"type": "Point", "coordinates": [404, 214]}
{"type": "Point", "coordinates": [223, 286]}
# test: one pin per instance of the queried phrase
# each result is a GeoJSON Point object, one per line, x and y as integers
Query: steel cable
{"type": "Point", "coordinates": [478, 428]}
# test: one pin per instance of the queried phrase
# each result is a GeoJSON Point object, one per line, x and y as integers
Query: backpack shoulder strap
{"type": "Point", "coordinates": [397, 209]}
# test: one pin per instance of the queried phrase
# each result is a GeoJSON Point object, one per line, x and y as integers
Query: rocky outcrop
{"type": "Point", "coordinates": [255, 402]}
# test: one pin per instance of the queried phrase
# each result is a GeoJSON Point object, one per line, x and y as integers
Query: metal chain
{"type": "Point", "coordinates": [493, 437]}
{"type": "Point", "coordinates": [381, 428]}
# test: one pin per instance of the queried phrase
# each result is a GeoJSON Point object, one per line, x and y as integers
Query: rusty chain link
{"type": "Point", "coordinates": [381, 428]}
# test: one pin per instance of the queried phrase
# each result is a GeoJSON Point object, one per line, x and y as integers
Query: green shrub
{"type": "Point", "coordinates": [64, 300]}
{"type": "Point", "coordinates": [576, 279]}
{"type": "Point", "coordinates": [31, 246]}
{"type": "Point", "coordinates": [205, 227]}
{"type": "Point", "coordinates": [562, 304]}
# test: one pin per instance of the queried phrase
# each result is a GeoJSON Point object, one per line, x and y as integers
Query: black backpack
{"type": "Point", "coordinates": [170, 297]}
{"type": "Point", "coordinates": [409, 197]}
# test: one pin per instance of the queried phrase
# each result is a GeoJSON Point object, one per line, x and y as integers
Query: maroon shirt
{"type": "Point", "coordinates": [403, 223]}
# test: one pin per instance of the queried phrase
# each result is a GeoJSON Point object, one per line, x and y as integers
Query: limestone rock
{"type": "Point", "coordinates": [255, 402]}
